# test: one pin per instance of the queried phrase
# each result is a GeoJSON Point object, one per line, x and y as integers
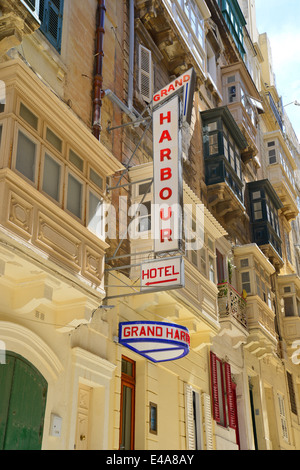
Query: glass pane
{"type": "Point", "coordinates": [126, 418]}
{"type": "Point", "coordinates": [288, 306]}
{"type": "Point", "coordinates": [54, 140]}
{"type": "Point", "coordinates": [97, 179]}
{"type": "Point", "coordinates": [95, 215]}
{"type": "Point", "coordinates": [127, 367]}
{"type": "Point", "coordinates": [26, 161]}
{"type": "Point", "coordinates": [52, 175]}
{"type": "Point", "coordinates": [256, 195]}
{"type": "Point", "coordinates": [28, 116]}
{"type": "Point", "coordinates": [77, 161]}
{"type": "Point", "coordinates": [74, 200]}
{"type": "Point", "coordinates": [213, 144]}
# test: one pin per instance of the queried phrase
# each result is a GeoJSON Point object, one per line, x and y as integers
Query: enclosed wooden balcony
{"type": "Point", "coordinates": [253, 272]}
{"type": "Point", "coordinates": [264, 210]}
{"type": "Point", "coordinates": [223, 143]}
{"type": "Point", "coordinates": [244, 102]}
{"type": "Point", "coordinates": [289, 288]}
{"type": "Point", "coordinates": [52, 178]}
{"type": "Point", "coordinates": [280, 171]}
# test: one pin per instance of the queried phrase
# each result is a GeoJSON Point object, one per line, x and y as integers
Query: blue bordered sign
{"type": "Point", "coordinates": [157, 341]}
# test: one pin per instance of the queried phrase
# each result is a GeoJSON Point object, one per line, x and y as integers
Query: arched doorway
{"type": "Point", "coordinates": [23, 393]}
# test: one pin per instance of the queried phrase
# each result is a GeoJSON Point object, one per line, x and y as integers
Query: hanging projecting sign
{"type": "Point", "coordinates": [167, 161]}
{"type": "Point", "coordinates": [156, 341]}
{"type": "Point", "coordinates": [185, 82]}
{"type": "Point", "coordinates": [166, 273]}
{"type": "Point", "coordinates": [167, 173]}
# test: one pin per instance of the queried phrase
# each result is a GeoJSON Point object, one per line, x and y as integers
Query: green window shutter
{"type": "Point", "coordinates": [51, 16]}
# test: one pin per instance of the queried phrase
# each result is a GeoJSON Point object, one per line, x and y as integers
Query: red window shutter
{"type": "Point", "coordinates": [214, 387]}
{"type": "Point", "coordinates": [230, 397]}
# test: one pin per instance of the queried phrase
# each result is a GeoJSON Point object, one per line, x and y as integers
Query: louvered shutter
{"type": "Point", "coordinates": [145, 73]}
{"type": "Point", "coordinates": [207, 424]}
{"type": "Point", "coordinates": [189, 418]}
{"type": "Point", "coordinates": [214, 387]}
{"type": "Point", "coordinates": [230, 397]}
{"type": "Point", "coordinates": [51, 12]}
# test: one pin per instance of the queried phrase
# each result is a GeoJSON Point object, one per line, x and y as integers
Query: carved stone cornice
{"type": "Point", "coordinates": [16, 22]}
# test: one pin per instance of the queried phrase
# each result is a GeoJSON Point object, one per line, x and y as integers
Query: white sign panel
{"type": "Point", "coordinates": [156, 341]}
{"type": "Point", "coordinates": [167, 177]}
{"type": "Point", "coordinates": [167, 273]}
{"type": "Point", "coordinates": [185, 82]}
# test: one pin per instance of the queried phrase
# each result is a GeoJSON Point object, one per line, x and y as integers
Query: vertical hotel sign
{"type": "Point", "coordinates": [169, 113]}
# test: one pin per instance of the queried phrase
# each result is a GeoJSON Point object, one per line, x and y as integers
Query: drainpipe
{"type": "Point", "coordinates": [131, 54]}
{"type": "Point", "coordinates": [98, 75]}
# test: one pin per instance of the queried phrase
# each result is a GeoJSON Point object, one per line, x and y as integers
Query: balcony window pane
{"type": "Point", "coordinates": [203, 261]}
{"type": "Point", "coordinates": [95, 222]}
{"type": "Point", "coordinates": [52, 176]}
{"type": "Point", "coordinates": [74, 197]}
{"type": "Point", "coordinates": [231, 94]}
{"type": "Point", "coordinates": [54, 140]}
{"type": "Point", "coordinates": [213, 144]}
{"type": "Point", "coordinates": [28, 116]}
{"type": "Point", "coordinates": [257, 210]}
{"type": "Point", "coordinates": [96, 179]}
{"type": "Point", "coordinates": [26, 156]}
{"type": "Point", "coordinates": [246, 282]}
{"type": "Point", "coordinates": [76, 160]}
{"type": "Point", "coordinates": [211, 269]}
{"type": "Point", "coordinates": [288, 306]}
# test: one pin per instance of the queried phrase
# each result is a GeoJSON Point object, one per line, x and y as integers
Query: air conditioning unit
{"type": "Point", "coordinates": [33, 6]}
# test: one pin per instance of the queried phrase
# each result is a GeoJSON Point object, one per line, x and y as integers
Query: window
{"type": "Point", "coordinates": [145, 73]}
{"type": "Point", "coordinates": [292, 394]}
{"type": "Point", "coordinates": [211, 263]}
{"type": "Point", "coordinates": [246, 285]}
{"type": "Point", "coordinates": [283, 419]}
{"type": "Point", "coordinates": [232, 94]}
{"type": "Point", "coordinates": [192, 417]}
{"type": "Point", "coordinates": [51, 15]}
{"type": "Point", "coordinates": [74, 195]}
{"type": "Point", "coordinates": [144, 214]}
{"type": "Point", "coordinates": [52, 177]}
{"type": "Point", "coordinates": [288, 247]}
{"type": "Point", "coordinates": [95, 221]}
{"type": "Point", "coordinates": [153, 418]}
{"type": "Point", "coordinates": [272, 152]}
{"type": "Point", "coordinates": [76, 160]}
{"type": "Point", "coordinates": [26, 156]}
{"type": "Point", "coordinates": [223, 397]}
{"type": "Point", "coordinates": [288, 306]}
{"type": "Point", "coordinates": [47, 162]}
{"type": "Point", "coordinates": [28, 116]}
{"type": "Point", "coordinates": [54, 140]}
{"type": "Point", "coordinates": [127, 404]}
{"type": "Point", "coordinates": [220, 267]}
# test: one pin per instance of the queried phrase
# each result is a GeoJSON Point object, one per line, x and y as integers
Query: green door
{"type": "Point", "coordinates": [23, 392]}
